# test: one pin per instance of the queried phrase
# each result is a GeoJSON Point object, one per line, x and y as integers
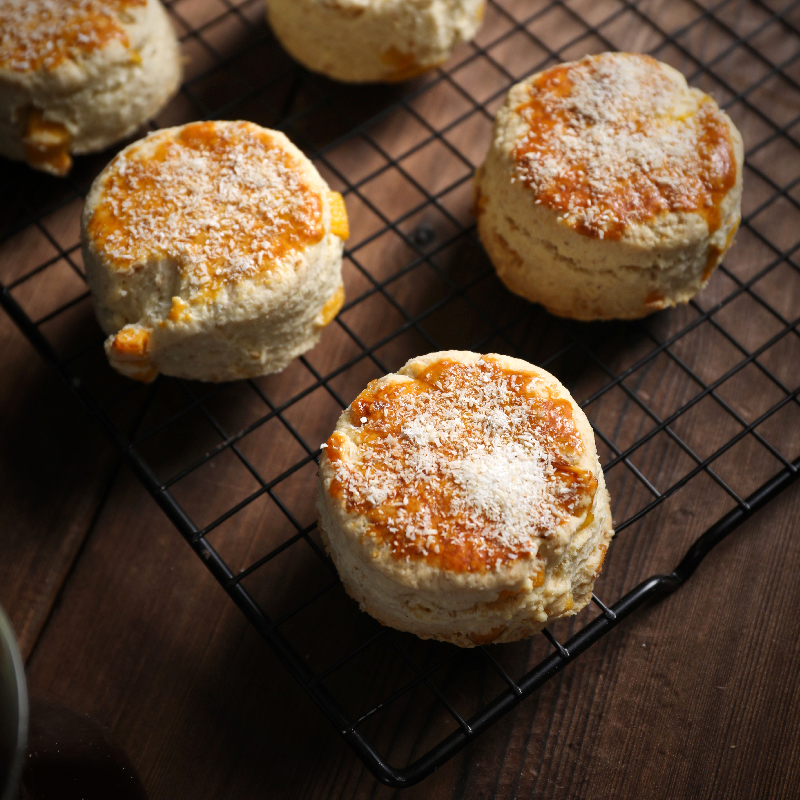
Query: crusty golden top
{"type": "Point", "coordinates": [41, 34]}
{"type": "Point", "coordinates": [617, 138]}
{"type": "Point", "coordinates": [466, 466]}
{"type": "Point", "coordinates": [225, 200]}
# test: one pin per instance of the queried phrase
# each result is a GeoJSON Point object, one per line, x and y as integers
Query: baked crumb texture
{"type": "Point", "coordinates": [614, 173]}
{"type": "Point", "coordinates": [206, 237]}
{"type": "Point", "coordinates": [462, 499]}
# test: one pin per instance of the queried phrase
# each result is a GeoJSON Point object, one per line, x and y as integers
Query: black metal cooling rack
{"type": "Point", "coordinates": [696, 409]}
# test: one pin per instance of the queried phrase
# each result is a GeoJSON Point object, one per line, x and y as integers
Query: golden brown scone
{"type": "Point", "coordinates": [611, 189]}
{"type": "Point", "coordinates": [361, 41]}
{"type": "Point", "coordinates": [462, 499]}
{"type": "Point", "coordinates": [213, 252]}
{"type": "Point", "coordinates": [79, 75]}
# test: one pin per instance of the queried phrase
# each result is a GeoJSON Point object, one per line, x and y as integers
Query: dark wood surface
{"type": "Point", "coordinates": [696, 696]}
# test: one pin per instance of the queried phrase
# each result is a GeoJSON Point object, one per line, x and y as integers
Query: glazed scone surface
{"type": "Point", "coordinates": [611, 188]}
{"type": "Point", "coordinates": [461, 499]}
{"type": "Point", "coordinates": [213, 251]}
{"type": "Point", "coordinates": [78, 75]}
{"type": "Point", "coordinates": [44, 34]}
{"type": "Point", "coordinates": [373, 40]}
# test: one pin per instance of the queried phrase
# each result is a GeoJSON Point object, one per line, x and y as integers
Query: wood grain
{"type": "Point", "coordinates": [693, 697]}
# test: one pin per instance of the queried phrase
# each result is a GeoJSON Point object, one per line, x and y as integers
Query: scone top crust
{"type": "Point", "coordinates": [464, 462]}
{"type": "Point", "coordinates": [43, 34]}
{"type": "Point", "coordinates": [225, 201]}
{"type": "Point", "coordinates": [615, 139]}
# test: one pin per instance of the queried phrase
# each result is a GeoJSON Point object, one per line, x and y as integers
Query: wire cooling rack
{"type": "Point", "coordinates": [695, 409]}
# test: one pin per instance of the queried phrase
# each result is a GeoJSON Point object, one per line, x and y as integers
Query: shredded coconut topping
{"type": "Point", "coordinates": [37, 34]}
{"type": "Point", "coordinates": [224, 200]}
{"type": "Point", "coordinates": [470, 465]}
{"type": "Point", "coordinates": [616, 138]}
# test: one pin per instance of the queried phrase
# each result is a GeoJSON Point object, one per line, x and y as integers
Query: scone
{"type": "Point", "coordinates": [361, 41]}
{"type": "Point", "coordinates": [611, 189]}
{"type": "Point", "coordinates": [78, 75]}
{"type": "Point", "coordinates": [462, 499]}
{"type": "Point", "coordinates": [213, 252]}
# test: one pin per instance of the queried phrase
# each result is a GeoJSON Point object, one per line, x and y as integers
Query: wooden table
{"type": "Point", "coordinates": [697, 696]}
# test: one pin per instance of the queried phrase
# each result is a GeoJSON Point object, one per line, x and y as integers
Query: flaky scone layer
{"type": "Point", "coordinates": [461, 499]}
{"type": "Point", "coordinates": [213, 252]}
{"type": "Point", "coordinates": [361, 41]}
{"type": "Point", "coordinates": [611, 189]}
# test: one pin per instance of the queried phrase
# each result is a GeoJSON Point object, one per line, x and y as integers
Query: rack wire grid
{"type": "Point", "coordinates": [695, 409]}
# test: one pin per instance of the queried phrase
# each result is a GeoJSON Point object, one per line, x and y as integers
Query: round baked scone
{"type": "Point", "coordinates": [462, 499]}
{"type": "Point", "coordinates": [611, 189]}
{"type": "Point", "coordinates": [213, 252]}
{"type": "Point", "coordinates": [78, 75]}
{"type": "Point", "coordinates": [361, 41]}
